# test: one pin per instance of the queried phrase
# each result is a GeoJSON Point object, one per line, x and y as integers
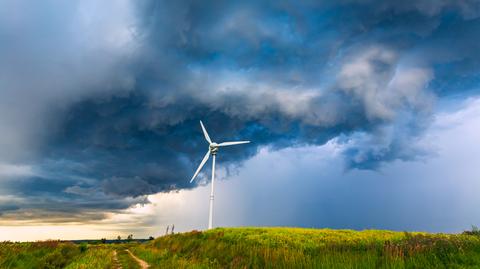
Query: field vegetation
{"type": "Point", "coordinates": [258, 248]}
{"type": "Point", "coordinates": [56, 254]}
{"type": "Point", "coordinates": [310, 248]}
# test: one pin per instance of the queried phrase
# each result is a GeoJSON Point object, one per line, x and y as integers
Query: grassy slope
{"type": "Point", "coordinates": [310, 248]}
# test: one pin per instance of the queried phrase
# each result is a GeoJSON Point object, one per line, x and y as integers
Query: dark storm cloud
{"type": "Point", "coordinates": [108, 106]}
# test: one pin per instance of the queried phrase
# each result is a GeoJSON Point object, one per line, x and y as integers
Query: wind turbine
{"type": "Point", "coordinates": [212, 150]}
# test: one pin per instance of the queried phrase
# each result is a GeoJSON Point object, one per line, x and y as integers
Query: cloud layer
{"type": "Point", "coordinates": [100, 102]}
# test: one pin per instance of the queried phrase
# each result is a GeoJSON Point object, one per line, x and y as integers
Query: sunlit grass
{"type": "Point", "coordinates": [48, 254]}
{"type": "Point", "coordinates": [55, 254]}
{"type": "Point", "coordinates": [259, 248]}
{"type": "Point", "coordinates": [310, 248]}
{"type": "Point", "coordinates": [94, 258]}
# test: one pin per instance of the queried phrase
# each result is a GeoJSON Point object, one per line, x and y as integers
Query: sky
{"type": "Point", "coordinates": [362, 115]}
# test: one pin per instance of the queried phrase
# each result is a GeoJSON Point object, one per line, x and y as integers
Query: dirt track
{"type": "Point", "coordinates": [116, 262]}
{"type": "Point", "coordinates": [143, 264]}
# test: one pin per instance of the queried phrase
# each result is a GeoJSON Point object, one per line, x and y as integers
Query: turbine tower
{"type": "Point", "coordinates": [212, 150]}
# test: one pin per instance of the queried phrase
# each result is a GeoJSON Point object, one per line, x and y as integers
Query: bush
{"type": "Point", "coordinates": [475, 231]}
{"type": "Point", "coordinates": [83, 247]}
{"type": "Point", "coordinates": [60, 257]}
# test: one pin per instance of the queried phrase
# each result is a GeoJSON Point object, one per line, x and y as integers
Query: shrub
{"type": "Point", "coordinates": [475, 231]}
{"type": "Point", "coordinates": [60, 257]}
{"type": "Point", "coordinates": [83, 247]}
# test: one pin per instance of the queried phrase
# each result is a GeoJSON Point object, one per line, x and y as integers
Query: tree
{"type": "Point", "coordinates": [119, 238]}
{"type": "Point", "coordinates": [130, 237]}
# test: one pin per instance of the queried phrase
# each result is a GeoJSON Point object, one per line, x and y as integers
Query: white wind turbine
{"type": "Point", "coordinates": [212, 150]}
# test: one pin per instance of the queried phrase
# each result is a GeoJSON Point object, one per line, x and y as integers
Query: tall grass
{"type": "Point", "coordinates": [310, 248]}
{"type": "Point", "coordinates": [94, 258]}
{"type": "Point", "coordinates": [259, 248]}
{"type": "Point", "coordinates": [54, 254]}
{"type": "Point", "coordinates": [48, 254]}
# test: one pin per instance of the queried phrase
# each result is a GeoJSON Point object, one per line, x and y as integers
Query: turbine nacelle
{"type": "Point", "coordinates": [213, 147]}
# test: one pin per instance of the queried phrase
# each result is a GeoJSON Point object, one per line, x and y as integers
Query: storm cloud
{"type": "Point", "coordinates": [100, 102]}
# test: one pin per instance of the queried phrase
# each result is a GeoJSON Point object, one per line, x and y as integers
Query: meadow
{"type": "Point", "coordinates": [310, 248]}
{"type": "Point", "coordinates": [56, 254]}
{"type": "Point", "coordinates": [258, 248]}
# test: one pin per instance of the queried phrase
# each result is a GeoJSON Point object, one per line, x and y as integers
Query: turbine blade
{"type": "Point", "coordinates": [232, 143]}
{"type": "Point", "coordinates": [205, 133]}
{"type": "Point", "coordinates": [205, 159]}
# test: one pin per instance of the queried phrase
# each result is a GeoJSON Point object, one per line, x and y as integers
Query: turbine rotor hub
{"type": "Point", "coordinates": [213, 148]}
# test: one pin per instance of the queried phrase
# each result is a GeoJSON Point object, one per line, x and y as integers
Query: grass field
{"type": "Point", "coordinates": [258, 248]}
{"type": "Point", "coordinates": [55, 254]}
{"type": "Point", "coordinates": [310, 248]}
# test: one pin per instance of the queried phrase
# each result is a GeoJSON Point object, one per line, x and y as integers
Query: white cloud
{"type": "Point", "coordinates": [14, 170]}
{"type": "Point", "coordinates": [376, 79]}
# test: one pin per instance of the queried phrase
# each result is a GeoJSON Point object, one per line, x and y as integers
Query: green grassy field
{"type": "Point", "coordinates": [55, 254]}
{"type": "Point", "coordinates": [310, 248]}
{"type": "Point", "coordinates": [258, 248]}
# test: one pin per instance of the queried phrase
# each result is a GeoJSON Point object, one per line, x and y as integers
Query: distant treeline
{"type": "Point", "coordinates": [107, 241]}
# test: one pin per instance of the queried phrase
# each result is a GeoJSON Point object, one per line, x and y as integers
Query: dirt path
{"type": "Point", "coordinates": [143, 264]}
{"type": "Point", "coordinates": [116, 263]}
